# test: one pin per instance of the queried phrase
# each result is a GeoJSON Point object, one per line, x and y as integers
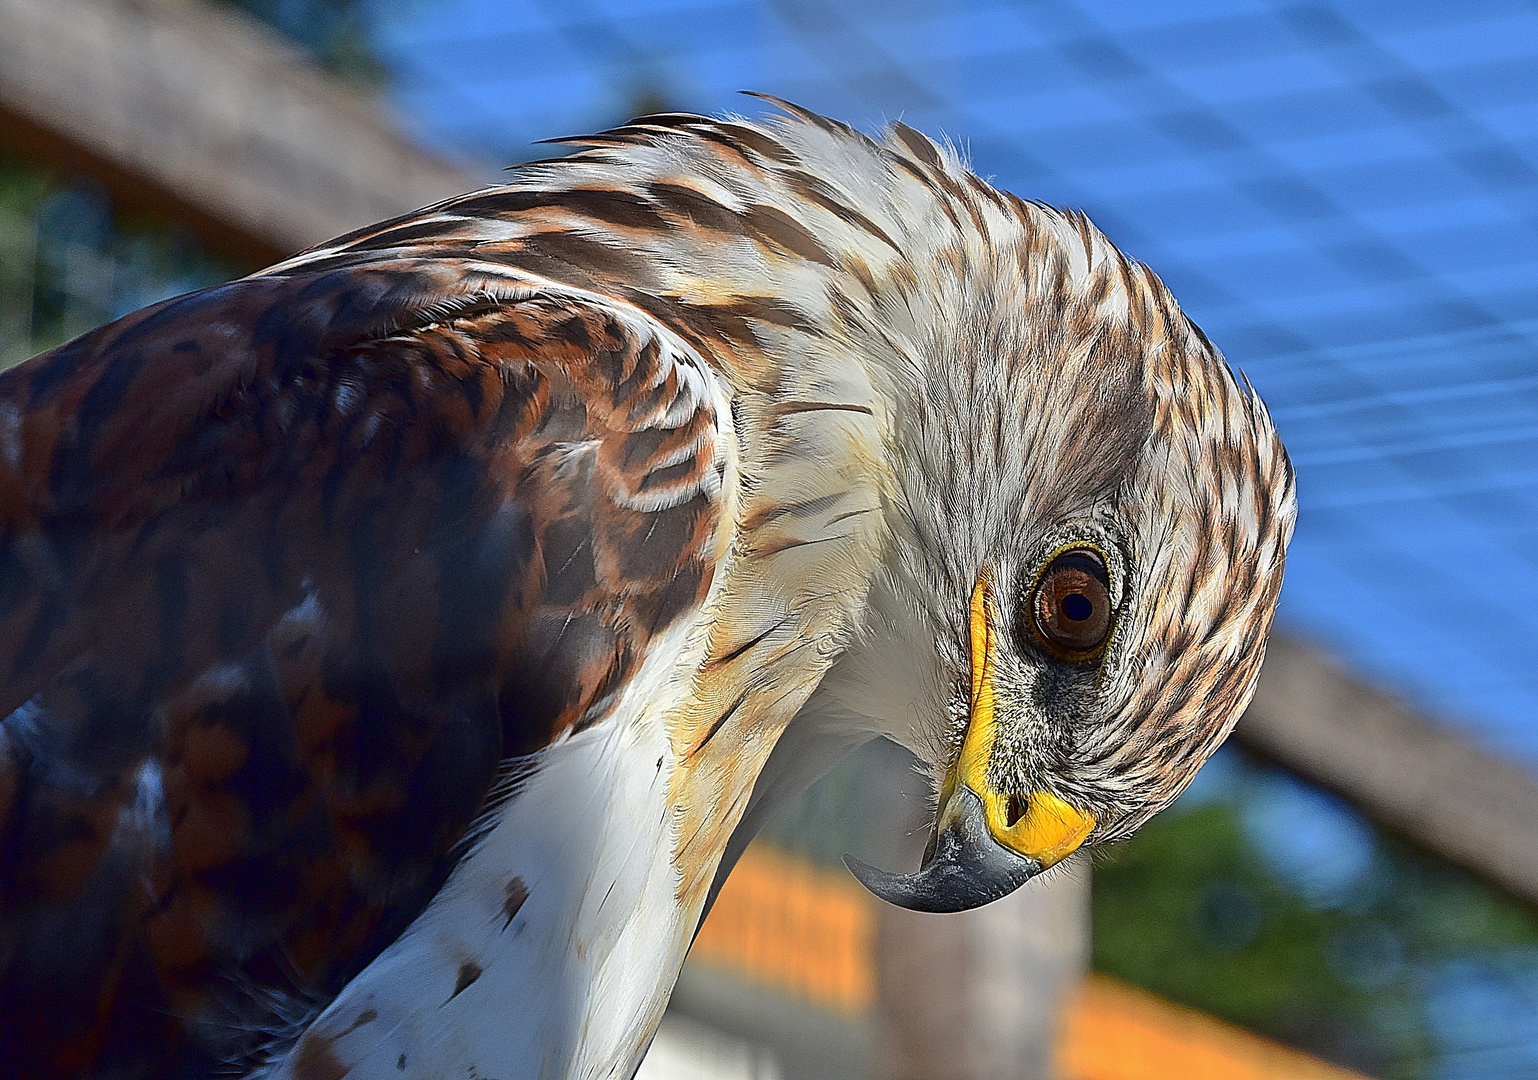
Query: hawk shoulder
{"type": "Point", "coordinates": [289, 569]}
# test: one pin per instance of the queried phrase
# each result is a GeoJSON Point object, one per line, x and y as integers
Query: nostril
{"type": "Point", "coordinates": [1014, 810]}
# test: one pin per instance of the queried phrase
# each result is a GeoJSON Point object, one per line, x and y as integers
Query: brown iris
{"type": "Point", "coordinates": [1072, 604]}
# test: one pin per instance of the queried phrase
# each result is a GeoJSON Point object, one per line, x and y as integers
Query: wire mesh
{"type": "Point", "coordinates": [1344, 196]}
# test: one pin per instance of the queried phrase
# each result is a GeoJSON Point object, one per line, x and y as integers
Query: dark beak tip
{"type": "Point", "coordinates": [916, 892]}
{"type": "Point", "coordinates": [863, 871]}
{"type": "Point", "coordinates": [874, 878]}
{"type": "Point", "coordinates": [967, 870]}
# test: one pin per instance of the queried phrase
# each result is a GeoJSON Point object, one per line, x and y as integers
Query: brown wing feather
{"type": "Point", "coordinates": [288, 568]}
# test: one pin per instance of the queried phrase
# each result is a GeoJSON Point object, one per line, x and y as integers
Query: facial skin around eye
{"type": "Point", "coordinates": [1072, 603]}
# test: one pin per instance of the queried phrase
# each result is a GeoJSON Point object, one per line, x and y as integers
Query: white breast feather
{"type": "Point", "coordinates": [570, 988]}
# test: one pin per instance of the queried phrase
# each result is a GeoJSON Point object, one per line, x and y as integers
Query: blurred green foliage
{"type": "Point", "coordinates": [21, 192]}
{"type": "Point", "coordinates": [1195, 908]}
{"type": "Point", "coordinates": [69, 262]}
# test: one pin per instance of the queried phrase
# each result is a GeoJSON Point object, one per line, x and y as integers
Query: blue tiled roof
{"type": "Point", "coordinates": [1345, 197]}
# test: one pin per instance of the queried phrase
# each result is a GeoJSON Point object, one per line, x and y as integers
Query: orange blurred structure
{"type": "Point", "coordinates": [790, 926]}
{"type": "Point", "coordinates": [1112, 1031]}
{"type": "Point", "coordinates": [808, 932]}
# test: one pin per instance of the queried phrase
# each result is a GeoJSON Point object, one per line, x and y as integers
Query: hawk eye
{"type": "Point", "coordinates": [1072, 603]}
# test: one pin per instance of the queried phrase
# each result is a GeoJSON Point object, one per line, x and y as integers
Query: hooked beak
{"type": "Point", "coordinates": [987, 843]}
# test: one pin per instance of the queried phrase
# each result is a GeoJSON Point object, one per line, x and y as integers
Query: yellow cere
{"type": "Point", "coordinates": [1049, 830]}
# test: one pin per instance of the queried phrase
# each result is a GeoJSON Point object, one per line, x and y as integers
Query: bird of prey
{"type": "Point", "coordinates": [396, 644]}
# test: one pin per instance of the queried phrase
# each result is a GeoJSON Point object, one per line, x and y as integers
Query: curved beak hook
{"type": "Point", "coordinates": [967, 868]}
{"type": "Point", "coordinates": [987, 842]}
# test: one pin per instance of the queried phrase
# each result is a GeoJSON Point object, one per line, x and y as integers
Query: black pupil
{"type": "Point", "coordinates": [1077, 607]}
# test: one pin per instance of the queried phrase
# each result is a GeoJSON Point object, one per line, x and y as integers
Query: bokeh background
{"type": "Point", "coordinates": [1345, 197]}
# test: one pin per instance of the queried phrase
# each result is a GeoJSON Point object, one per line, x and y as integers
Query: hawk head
{"type": "Point", "coordinates": [1088, 516]}
{"type": "Point", "coordinates": [1083, 514]}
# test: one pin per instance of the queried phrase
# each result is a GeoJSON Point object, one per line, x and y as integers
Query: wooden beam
{"type": "Point", "coordinates": [1423, 780]}
{"type": "Point", "coordinates": [201, 114]}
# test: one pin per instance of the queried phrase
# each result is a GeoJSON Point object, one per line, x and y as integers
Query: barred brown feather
{"type": "Point", "coordinates": [293, 569]}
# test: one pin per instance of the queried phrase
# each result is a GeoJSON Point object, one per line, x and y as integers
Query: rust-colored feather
{"type": "Point", "coordinates": [288, 568]}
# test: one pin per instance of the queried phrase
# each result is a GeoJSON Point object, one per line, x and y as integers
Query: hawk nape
{"type": "Point", "coordinates": [397, 643]}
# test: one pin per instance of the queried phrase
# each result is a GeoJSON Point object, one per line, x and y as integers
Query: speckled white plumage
{"type": "Point", "coordinates": [565, 985]}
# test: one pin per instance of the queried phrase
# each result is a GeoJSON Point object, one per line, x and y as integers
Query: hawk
{"type": "Point", "coordinates": [396, 644]}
